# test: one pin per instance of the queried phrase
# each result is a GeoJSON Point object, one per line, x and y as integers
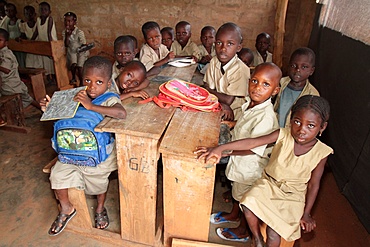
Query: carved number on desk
{"type": "Point", "coordinates": [142, 167]}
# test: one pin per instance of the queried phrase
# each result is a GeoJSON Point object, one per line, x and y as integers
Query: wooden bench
{"type": "Point", "coordinates": [11, 106]}
{"type": "Point", "coordinates": [36, 77]}
{"type": "Point", "coordinates": [54, 49]}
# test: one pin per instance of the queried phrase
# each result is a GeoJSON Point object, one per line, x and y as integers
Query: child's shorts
{"type": "Point", "coordinates": [238, 190]}
{"type": "Point", "coordinates": [77, 58]}
{"type": "Point", "coordinates": [94, 180]}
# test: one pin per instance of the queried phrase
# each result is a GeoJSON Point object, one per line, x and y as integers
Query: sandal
{"type": "Point", "coordinates": [60, 223]}
{"type": "Point", "coordinates": [101, 219]}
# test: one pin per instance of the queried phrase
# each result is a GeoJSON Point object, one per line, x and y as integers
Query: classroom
{"type": "Point", "coordinates": [157, 150]}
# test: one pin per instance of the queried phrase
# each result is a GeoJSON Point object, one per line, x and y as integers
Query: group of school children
{"type": "Point", "coordinates": [276, 184]}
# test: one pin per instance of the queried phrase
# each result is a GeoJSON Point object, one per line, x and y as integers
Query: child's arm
{"type": "Point", "coordinates": [136, 94]}
{"type": "Point", "coordinates": [4, 70]}
{"type": "Point", "coordinates": [50, 26]}
{"type": "Point", "coordinates": [225, 100]}
{"type": "Point", "coordinates": [170, 55]}
{"type": "Point", "coordinates": [141, 86]}
{"type": "Point", "coordinates": [115, 111]}
{"type": "Point", "coordinates": [239, 145]}
{"type": "Point", "coordinates": [35, 34]}
{"type": "Point", "coordinates": [307, 223]}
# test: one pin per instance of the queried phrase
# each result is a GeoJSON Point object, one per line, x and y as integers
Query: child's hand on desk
{"type": "Point", "coordinates": [140, 94]}
{"type": "Point", "coordinates": [170, 56]}
{"type": "Point", "coordinates": [84, 99]}
{"type": "Point", "coordinates": [44, 103]}
{"type": "Point", "coordinates": [227, 113]}
{"type": "Point", "coordinates": [307, 223]}
{"type": "Point", "coordinates": [209, 153]}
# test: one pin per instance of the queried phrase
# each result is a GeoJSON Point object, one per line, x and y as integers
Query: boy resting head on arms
{"type": "Point", "coordinates": [262, 55]}
{"type": "Point", "coordinates": [168, 36]}
{"type": "Point", "coordinates": [227, 76]}
{"type": "Point", "coordinates": [154, 54]}
{"type": "Point", "coordinates": [246, 166]}
{"type": "Point", "coordinates": [294, 86]}
{"type": "Point", "coordinates": [130, 80]}
{"type": "Point", "coordinates": [183, 46]}
{"type": "Point", "coordinates": [246, 55]}
{"type": "Point", "coordinates": [97, 75]}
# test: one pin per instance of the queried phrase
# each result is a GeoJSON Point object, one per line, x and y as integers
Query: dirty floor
{"type": "Point", "coordinates": [28, 206]}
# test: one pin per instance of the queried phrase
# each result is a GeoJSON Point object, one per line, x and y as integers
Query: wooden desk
{"type": "Point", "coordinates": [188, 184]}
{"type": "Point", "coordinates": [137, 141]}
{"type": "Point", "coordinates": [54, 49]}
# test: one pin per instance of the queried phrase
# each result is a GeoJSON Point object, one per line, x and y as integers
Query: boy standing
{"type": "Point", "coordinates": [74, 38]}
{"type": "Point", "coordinates": [294, 86]}
{"type": "Point", "coordinates": [262, 55]}
{"type": "Point", "coordinates": [97, 75]}
{"type": "Point", "coordinates": [153, 53]}
{"type": "Point", "coordinates": [183, 46]}
{"type": "Point", "coordinates": [245, 167]}
{"type": "Point", "coordinates": [227, 76]}
{"type": "Point", "coordinates": [10, 82]}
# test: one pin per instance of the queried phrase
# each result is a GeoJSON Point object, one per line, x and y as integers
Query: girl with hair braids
{"type": "Point", "coordinates": [284, 196]}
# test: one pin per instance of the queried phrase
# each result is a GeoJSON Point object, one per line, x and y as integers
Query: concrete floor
{"type": "Point", "coordinates": [28, 207]}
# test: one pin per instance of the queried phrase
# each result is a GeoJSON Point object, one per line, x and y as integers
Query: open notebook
{"type": "Point", "coordinates": [61, 105]}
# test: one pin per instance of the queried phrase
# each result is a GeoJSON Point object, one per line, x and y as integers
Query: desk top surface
{"type": "Point", "coordinates": [147, 120]}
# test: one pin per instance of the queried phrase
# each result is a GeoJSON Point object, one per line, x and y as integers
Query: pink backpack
{"type": "Point", "coordinates": [187, 96]}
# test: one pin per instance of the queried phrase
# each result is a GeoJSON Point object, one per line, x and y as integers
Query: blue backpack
{"type": "Point", "coordinates": [75, 140]}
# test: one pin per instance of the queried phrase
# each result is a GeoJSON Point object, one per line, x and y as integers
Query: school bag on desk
{"type": "Point", "coordinates": [75, 140]}
{"type": "Point", "coordinates": [187, 96]}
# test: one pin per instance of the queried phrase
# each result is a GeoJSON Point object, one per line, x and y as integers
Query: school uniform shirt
{"type": "Point", "coordinates": [32, 61]}
{"type": "Point", "coordinates": [11, 82]}
{"type": "Point", "coordinates": [278, 198]}
{"type": "Point", "coordinates": [191, 49]}
{"type": "Point", "coordinates": [149, 57]}
{"type": "Point", "coordinates": [76, 40]}
{"type": "Point", "coordinates": [203, 51]}
{"type": "Point", "coordinates": [233, 82]}
{"type": "Point", "coordinates": [308, 89]}
{"type": "Point", "coordinates": [257, 121]}
{"type": "Point", "coordinates": [258, 59]}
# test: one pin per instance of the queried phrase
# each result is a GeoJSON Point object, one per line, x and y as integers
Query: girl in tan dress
{"type": "Point", "coordinates": [284, 196]}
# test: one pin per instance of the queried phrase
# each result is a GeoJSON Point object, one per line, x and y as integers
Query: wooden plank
{"type": "Point", "coordinates": [11, 106]}
{"type": "Point", "coordinates": [82, 219]}
{"type": "Point", "coordinates": [186, 180]}
{"type": "Point", "coordinates": [30, 46]}
{"type": "Point", "coordinates": [283, 242]}
{"type": "Point", "coordinates": [281, 7]}
{"type": "Point", "coordinates": [176, 242]}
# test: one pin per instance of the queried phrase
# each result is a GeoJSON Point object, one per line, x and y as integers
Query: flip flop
{"type": "Point", "coordinates": [59, 221]}
{"type": "Point", "coordinates": [216, 219]}
{"type": "Point", "coordinates": [235, 238]}
{"type": "Point", "coordinates": [101, 217]}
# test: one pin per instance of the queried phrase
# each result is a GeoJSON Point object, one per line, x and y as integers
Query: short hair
{"type": "Point", "coordinates": [98, 62]}
{"type": "Point", "coordinates": [11, 5]}
{"type": "Point", "coordinates": [208, 28]}
{"type": "Point", "coordinates": [271, 67]}
{"type": "Point", "coordinates": [246, 51]}
{"type": "Point", "coordinates": [168, 30]}
{"type": "Point", "coordinates": [136, 64]}
{"type": "Point", "coordinates": [123, 39]}
{"type": "Point", "coordinates": [29, 8]}
{"type": "Point", "coordinates": [304, 51]}
{"type": "Point", "coordinates": [182, 23]}
{"type": "Point", "coordinates": [149, 26]}
{"type": "Point", "coordinates": [263, 35]}
{"type": "Point", "coordinates": [3, 1]}
{"type": "Point", "coordinates": [46, 4]}
{"type": "Point", "coordinates": [134, 39]}
{"type": "Point", "coordinates": [315, 103]}
{"type": "Point", "coordinates": [231, 26]}
{"type": "Point", "coordinates": [71, 14]}
{"type": "Point", "coordinates": [4, 33]}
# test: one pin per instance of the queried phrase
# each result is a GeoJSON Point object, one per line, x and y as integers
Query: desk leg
{"type": "Point", "coordinates": [188, 195]}
{"type": "Point", "coordinates": [38, 86]}
{"type": "Point", "coordinates": [137, 173]}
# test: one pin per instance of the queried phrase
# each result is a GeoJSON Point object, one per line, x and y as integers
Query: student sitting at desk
{"type": "Point", "coordinates": [207, 48]}
{"type": "Point", "coordinates": [168, 36]}
{"type": "Point", "coordinates": [227, 76]}
{"type": "Point", "coordinates": [183, 46]}
{"type": "Point", "coordinates": [154, 54]}
{"type": "Point", "coordinates": [68, 173]}
{"type": "Point", "coordinates": [10, 82]}
{"type": "Point", "coordinates": [130, 80]}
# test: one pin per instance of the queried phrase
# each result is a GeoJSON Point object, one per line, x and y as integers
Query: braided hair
{"type": "Point", "coordinates": [316, 103]}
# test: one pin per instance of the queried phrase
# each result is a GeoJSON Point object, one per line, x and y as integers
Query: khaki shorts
{"type": "Point", "coordinates": [238, 190]}
{"type": "Point", "coordinates": [94, 180]}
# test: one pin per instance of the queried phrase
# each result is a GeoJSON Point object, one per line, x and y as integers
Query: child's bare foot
{"type": "Point", "coordinates": [101, 219]}
{"type": "Point", "coordinates": [227, 196]}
